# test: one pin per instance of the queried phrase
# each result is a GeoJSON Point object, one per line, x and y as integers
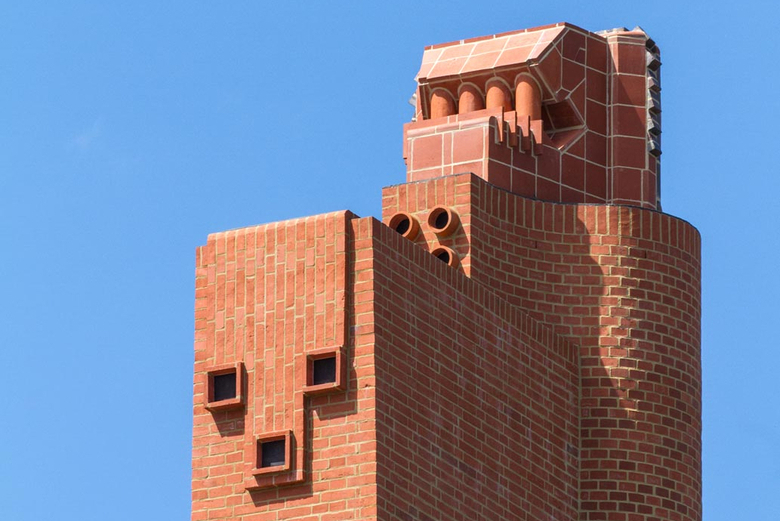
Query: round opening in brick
{"type": "Point", "coordinates": [445, 254]}
{"type": "Point", "coordinates": [405, 224]}
{"type": "Point", "coordinates": [443, 221]}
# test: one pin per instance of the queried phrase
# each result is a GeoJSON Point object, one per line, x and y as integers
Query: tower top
{"type": "Point", "coordinates": [554, 112]}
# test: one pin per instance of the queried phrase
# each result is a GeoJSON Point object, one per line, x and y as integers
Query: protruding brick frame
{"type": "Point", "coordinates": [339, 384]}
{"type": "Point", "coordinates": [289, 451]}
{"type": "Point", "coordinates": [233, 403]}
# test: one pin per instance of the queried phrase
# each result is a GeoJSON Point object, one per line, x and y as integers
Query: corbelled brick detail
{"type": "Point", "coordinates": [505, 353]}
{"type": "Point", "coordinates": [574, 119]}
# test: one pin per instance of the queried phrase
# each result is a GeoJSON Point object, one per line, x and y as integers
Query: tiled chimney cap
{"type": "Point", "coordinates": [488, 52]}
{"type": "Point", "coordinates": [503, 50]}
{"type": "Point", "coordinates": [461, 57]}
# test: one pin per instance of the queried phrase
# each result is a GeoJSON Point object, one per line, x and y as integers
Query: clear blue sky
{"type": "Point", "coordinates": [131, 130]}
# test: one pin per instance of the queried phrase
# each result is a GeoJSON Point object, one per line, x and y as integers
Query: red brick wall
{"type": "Point", "coordinates": [477, 408]}
{"type": "Point", "coordinates": [462, 400]}
{"type": "Point", "coordinates": [554, 373]}
{"type": "Point", "coordinates": [265, 296]}
{"type": "Point", "coordinates": [623, 284]}
{"type": "Point", "coordinates": [419, 198]}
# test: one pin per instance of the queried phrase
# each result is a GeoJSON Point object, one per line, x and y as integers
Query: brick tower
{"type": "Point", "coordinates": [518, 339]}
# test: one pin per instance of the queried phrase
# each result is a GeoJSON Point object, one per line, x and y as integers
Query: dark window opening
{"type": "Point", "coordinates": [224, 386]}
{"type": "Point", "coordinates": [324, 371]}
{"type": "Point", "coordinates": [272, 453]}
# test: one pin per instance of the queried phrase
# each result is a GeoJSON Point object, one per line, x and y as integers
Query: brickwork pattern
{"type": "Point", "coordinates": [477, 403]}
{"type": "Point", "coordinates": [623, 284]}
{"type": "Point", "coordinates": [265, 296]}
{"type": "Point", "coordinates": [522, 359]}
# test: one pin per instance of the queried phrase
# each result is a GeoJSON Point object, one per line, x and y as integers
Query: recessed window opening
{"type": "Point", "coordinates": [224, 386]}
{"type": "Point", "coordinates": [272, 453]}
{"type": "Point", "coordinates": [324, 370]}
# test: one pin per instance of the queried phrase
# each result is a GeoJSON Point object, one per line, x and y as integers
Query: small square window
{"type": "Point", "coordinates": [324, 371]}
{"type": "Point", "coordinates": [274, 453]}
{"type": "Point", "coordinates": [225, 386]}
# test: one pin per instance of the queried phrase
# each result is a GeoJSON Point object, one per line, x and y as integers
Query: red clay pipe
{"type": "Point", "coordinates": [446, 255]}
{"type": "Point", "coordinates": [528, 99]}
{"type": "Point", "coordinates": [405, 224]}
{"type": "Point", "coordinates": [443, 221]}
{"type": "Point", "coordinates": [442, 104]}
{"type": "Point", "coordinates": [470, 99]}
{"type": "Point", "coordinates": [498, 95]}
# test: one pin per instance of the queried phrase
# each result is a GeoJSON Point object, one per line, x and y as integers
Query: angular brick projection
{"type": "Point", "coordinates": [517, 339]}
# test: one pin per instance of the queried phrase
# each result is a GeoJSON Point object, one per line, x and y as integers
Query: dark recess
{"type": "Point", "coordinates": [224, 386]}
{"type": "Point", "coordinates": [324, 371]}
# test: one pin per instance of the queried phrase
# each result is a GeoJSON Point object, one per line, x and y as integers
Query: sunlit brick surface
{"type": "Point", "coordinates": [624, 285]}
{"type": "Point", "coordinates": [592, 140]}
{"type": "Point", "coordinates": [550, 371]}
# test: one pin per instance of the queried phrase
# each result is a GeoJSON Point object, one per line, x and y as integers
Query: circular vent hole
{"type": "Point", "coordinates": [402, 226]}
{"type": "Point", "coordinates": [442, 220]}
{"type": "Point", "coordinates": [405, 225]}
{"type": "Point", "coordinates": [444, 255]}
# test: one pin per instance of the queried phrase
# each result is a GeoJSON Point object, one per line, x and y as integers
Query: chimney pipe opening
{"type": "Point", "coordinates": [406, 225]}
{"type": "Point", "coordinates": [443, 221]}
